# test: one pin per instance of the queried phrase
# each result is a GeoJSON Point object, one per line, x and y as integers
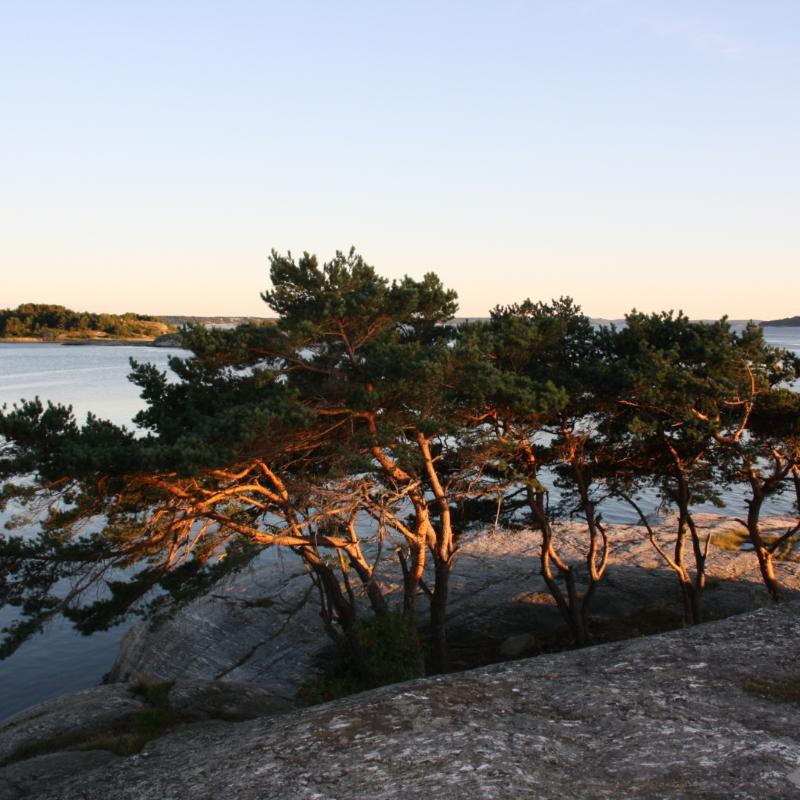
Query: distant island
{"type": "Point", "coordinates": [40, 322]}
{"type": "Point", "coordinates": [786, 322]}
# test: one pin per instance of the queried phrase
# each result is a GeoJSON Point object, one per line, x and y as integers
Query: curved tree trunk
{"type": "Point", "coordinates": [598, 551]}
{"type": "Point", "coordinates": [763, 553]}
{"type": "Point", "coordinates": [443, 546]}
{"type": "Point", "coordinates": [567, 600]}
{"type": "Point", "coordinates": [674, 562]}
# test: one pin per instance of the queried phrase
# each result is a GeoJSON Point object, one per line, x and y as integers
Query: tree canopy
{"type": "Point", "coordinates": [366, 432]}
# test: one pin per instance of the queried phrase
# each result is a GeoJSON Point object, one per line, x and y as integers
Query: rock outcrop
{"type": "Point", "coordinates": [167, 340]}
{"type": "Point", "coordinates": [262, 626]}
{"type": "Point", "coordinates": [676, 715]}
{"type": "Point", "coordinates": [78, 715]}
{"type": "Point", "coordinates": [62, 737]}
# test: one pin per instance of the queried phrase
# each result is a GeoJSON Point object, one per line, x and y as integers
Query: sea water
{"type": "Point", "coordinates": [89, 378]}
{"type": "Point", "coordinates": [94, 378]}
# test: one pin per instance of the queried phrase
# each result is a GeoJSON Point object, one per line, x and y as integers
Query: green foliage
{"type": "Point", "coordinates": [364, 402]}
{"type": "Point", "coordinates": [387, 650]}
{"type": "Point", "coordinates": [684, 386]}
{"type": "Point", "coordinates": [528, 360]}
{"type": "Point", "coordinates": [123, 739]}
{"type": "Point", "coordinates": [776, 415]}
{"type": "Point", "coordinates": [52, 321]}
{"type": "Point", "coordinates": [787, 690]}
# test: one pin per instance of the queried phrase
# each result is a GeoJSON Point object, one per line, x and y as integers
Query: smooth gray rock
{"type": "Point", "coordinates": [201, 700]}
{"type": "Point", "coordinates": [27, 778]}
{"type": "Point", "coordinates": [71, 721]}
{"type": "Point", "coordinates": [260, 626]}
{"type": "Point", "coordinates": [79, 714]}
{"type": "Point", "coordinates": [659, 717]}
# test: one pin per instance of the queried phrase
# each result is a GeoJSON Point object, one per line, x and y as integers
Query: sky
{"type": "Point", "coordinates": [627, 153]}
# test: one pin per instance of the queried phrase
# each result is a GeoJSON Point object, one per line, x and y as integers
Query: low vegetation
{"type": "Point", "coordinates": [787, 689]}
{"type": "Point", "coordinates": [731, 539]}
{"type": "Point", "coordinates": [123, 738]}
{"type": "Point", "coordinates": [388, 651]}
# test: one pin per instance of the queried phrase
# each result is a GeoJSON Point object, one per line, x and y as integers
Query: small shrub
{"type": "Point", "coordinates": [384, 650]}
{"type": "Point", "coordinates": [152, 722]}
{"type": "Point", "coordinates": [730, 539]}
{"type": "Point", "coordinates": [785, 690]}
{"type": "Point", "coordinates": [260, 602]}
{"type": "Point", "coordinates": [646, 621]}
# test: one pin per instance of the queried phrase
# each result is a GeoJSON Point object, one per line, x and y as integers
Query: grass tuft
{"type": "Point", "coordinates": [260, 602]}
{"type": "Point", "coordinates": [734, 538]}
{"type": "Point", "coordinates": [785, 690]}
{"type": "Point", "coordinates": [731, 539]}
{"type": "Point", "coordinates": [123, 739]}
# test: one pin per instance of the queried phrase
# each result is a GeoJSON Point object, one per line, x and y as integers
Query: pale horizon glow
{"type": "Point", "coordinates": [627, 153]}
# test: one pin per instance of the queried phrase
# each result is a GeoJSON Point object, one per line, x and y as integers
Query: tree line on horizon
{"type": "Point", "coordinates": [47, 321]}
{"type": "Point", "coordinates": [366, 434]}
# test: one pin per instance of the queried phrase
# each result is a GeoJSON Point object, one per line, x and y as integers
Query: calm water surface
{"type": "Point", "coordinates": [94, 378]}
{"type": "Point", "coordinates": [90, 378]}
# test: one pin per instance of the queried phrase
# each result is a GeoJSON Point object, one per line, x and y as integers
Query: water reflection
{"type": "Point", "coordinates": [90, 378]}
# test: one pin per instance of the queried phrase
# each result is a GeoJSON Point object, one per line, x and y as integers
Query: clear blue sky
{"type": "Point", "coordinates": [628, 153]}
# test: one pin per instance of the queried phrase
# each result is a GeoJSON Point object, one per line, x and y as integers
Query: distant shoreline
{"type": "Point", "coordinates": [786, 322]}
{"type": "Point", "coordinates": [172, 339]}
{"type": "Point", "coordinates": [167, 340]}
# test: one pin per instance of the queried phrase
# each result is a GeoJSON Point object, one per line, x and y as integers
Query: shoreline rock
{"type": "Point", "coordinates": [77, 732]}
{"type": "Point", "coordinates": [666, 716]}
{"type": "Point", "coordinates": [164, 340]}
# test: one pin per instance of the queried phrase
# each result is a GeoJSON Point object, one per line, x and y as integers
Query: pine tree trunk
{"type": "Point", "coordinates": [438, 633]}
{"type": "Point", "coordinates": [691, 605]}
{"type": "Point", "coordinates": [764, 556]}
{"type": "Point", "coordinates": [692, 590]}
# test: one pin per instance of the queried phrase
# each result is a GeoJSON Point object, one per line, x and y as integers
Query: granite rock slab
{"type": "Point", "coordinates": [667, 716]}
{"type": "Point", "coordinates": [79, 714]}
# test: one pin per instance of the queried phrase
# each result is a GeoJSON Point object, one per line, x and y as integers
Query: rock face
{"type": "Point", "coordinates": [167, 340]}
{"type": "Point", "coordinates": [667, 716]}
{"type": "Point", "coordinates": [27, 778]}
{"type": "Point", "coordinates": [62, 729]}
{"type": "Point", "coordinates": [203, 700]}
{"type": "Point", "coordinates": [262, 626]}
{"type": "Point", "coordinates": [82, 713]}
